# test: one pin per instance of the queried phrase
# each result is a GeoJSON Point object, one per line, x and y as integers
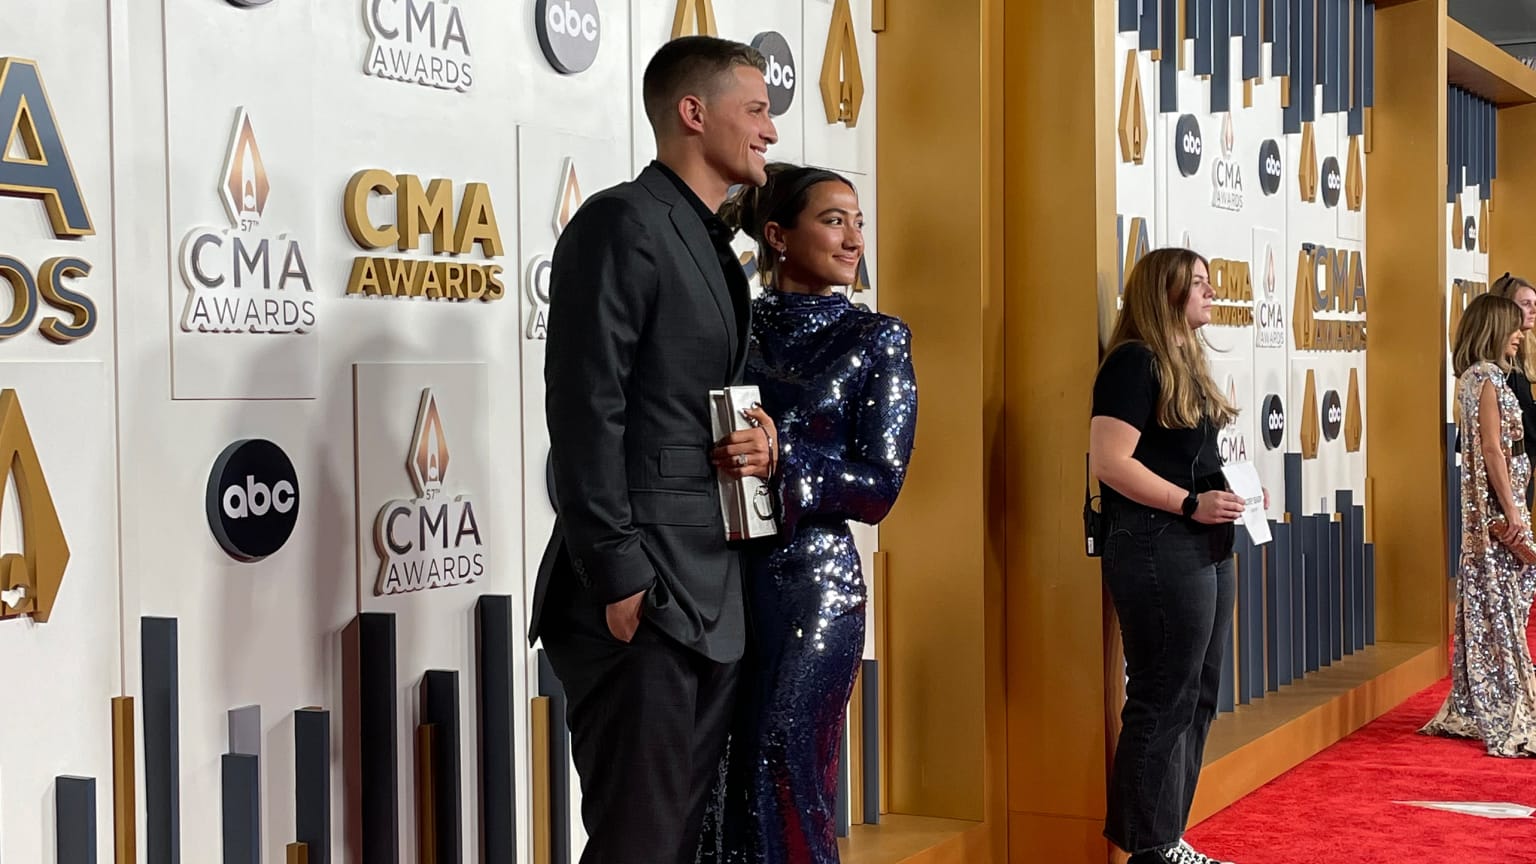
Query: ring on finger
{"type": "Point", "coordinates": [741, 459]}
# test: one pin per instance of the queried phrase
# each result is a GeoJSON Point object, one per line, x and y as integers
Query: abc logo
{"type": "Point", "coordinates": [1269, 167]}
{"type": "Point", "coordinates": [569, 33]}
{"type": "Point", "coordinates": [1333, 182]}
{"type": "Point", "coordinates": [1471, 234]}
{"type": "Point", "coordinates": [781, 70]}
{"type": "Point", "coordinates": [252, 499]}
{"type": "Point", "coordinates": [1333, 415]}
{"type": "Point", "coordinates": [1272, 419]}
{"type": "Point", "coordinates": [1188, 145]}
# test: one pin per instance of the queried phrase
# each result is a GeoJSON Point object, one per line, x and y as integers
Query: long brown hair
{"type": "Point", "coordinates": [1156, 294]}
{"type": "Point", "coordinates": [1525, 359]}
{"type": "Point", "coordinates": [1484, 332]}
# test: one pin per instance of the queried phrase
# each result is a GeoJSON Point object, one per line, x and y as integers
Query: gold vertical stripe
{"type": "Point", "coordinates": [298, 853]}
{"type": "Point", "coordinates": [538, 734]}
{"type": "Point", "coordinates": [877, 16]}
{"type": "Point", "coordinates": [426, 798]}
{"type": "Point", "coordinates": [124, 785]}
{"type": "Point", "coordinates": [856, 750]}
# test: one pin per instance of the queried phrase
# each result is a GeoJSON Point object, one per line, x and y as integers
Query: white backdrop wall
{"type": "Point", "coordinates": [151, 100]}
{"type": "Point", "coordinates": [1255, 247]}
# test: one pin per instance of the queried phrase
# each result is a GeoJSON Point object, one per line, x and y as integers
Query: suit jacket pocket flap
{"type": "Point", "coordinates": [683, 462]}
{"type": "Point", "coordinates": [650, 507]}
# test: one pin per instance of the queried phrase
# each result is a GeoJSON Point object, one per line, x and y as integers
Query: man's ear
{"type": "Point", "coordinates": [690, 113]}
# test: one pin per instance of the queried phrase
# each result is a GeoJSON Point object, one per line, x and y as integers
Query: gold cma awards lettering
{"type": "Point", "coordinates": [430, 541]}
{"type": "Point", "coordinates": [567, 201]}
{"type": "Point", "coordinates": [421, 211]}
{"type": "Point", "coordinates": [1232, 282]}
{"type": "Point", "coordinates": [34, 163]}
{"type": "Point", "coordinates": [29, 580]}
{"type": "Point", "coordinates": [239, 279]}
{"type": "Point", "coordinates": [1340, 290]}
{"type": "Point", "coordinates": [419, 42]}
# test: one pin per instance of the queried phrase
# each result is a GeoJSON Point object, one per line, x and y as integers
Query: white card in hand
{"type": "Point", "coordinates": [1244, 480]}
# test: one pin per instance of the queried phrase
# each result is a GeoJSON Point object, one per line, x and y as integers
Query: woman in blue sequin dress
{"type": "Point", "coordinates": [838, 381]}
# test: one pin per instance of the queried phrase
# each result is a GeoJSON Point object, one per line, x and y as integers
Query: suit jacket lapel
{"type": "Point", "coordinates": [688, 225]}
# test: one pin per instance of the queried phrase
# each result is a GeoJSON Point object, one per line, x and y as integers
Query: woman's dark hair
{"type": "Point", "coordinates": [782, 199]}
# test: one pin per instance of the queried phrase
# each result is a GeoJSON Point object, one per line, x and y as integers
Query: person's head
{"type": "Point", "coordinates": [1168, 297]}
{"type": "Point", "coordinates": [1490, 332]}
{"type": "Point", "coordinates": [707, 99]}
{"type": "Point", "coordinates": [807, 224]}
{"type": "Point", "coordinates": [1522, 293]}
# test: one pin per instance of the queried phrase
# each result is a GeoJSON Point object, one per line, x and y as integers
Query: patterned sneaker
{"type": "Point", "coordinates": [1191, 855]}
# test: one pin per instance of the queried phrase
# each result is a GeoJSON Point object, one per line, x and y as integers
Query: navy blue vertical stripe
{"type": "Point", "coordinates": [74, 820]}
{"type": "Point", "coordinates": [1327, 605]}
{"type": "Point", "coordinates": [1346, 508]}
{"type": "Point", "coordinates": [1370, 593]}
{"type": "Point", "coordinates": [1313, 578]}
{"type": "Point", "coordinates": [1272, 605]}
{"type": "Point", "coordinates": [1293, 484]}
{"type": "Point", "coordinates": [1253, 43]}
{"type": "Point", "coordinates": [1267, 25]}
{"type": "Point", "coordinates": [312, 782]}
{"type": "Point", "coordinates": [162, 741]}
{"type": "Point", "coordinates": [1254, 623]}
{"type": "Point", "coordinates": [1451, 139]}
{"type": "Point", "coordinates": [1168, 67]}
{"type": "Point", "coordinates": [1357, 572]}
{"type": "Point", "coordinates": [1204, 41]}
{"type": "Point", "coordinates": [1370, 53]}
{"type": "Point", "coordinates": [1292, 113]}
{"type": "Point", "coordinates": [1150, 28]}
{"type": "Point", "coordinates": [1235, 19]}
{"type": "Point", "coordinates": [1191, 19]}
{"type": "Point", "coordinates": [1280, 36]}
{"type": "Point", "coordinates": [1285, 629]}
{"type": "Point", "coordinates": [1298, 575]}
{"type": "Point", "coordinates": [871, 742]}
{"type": "Point", "coordinates": [1490, 134]}
{"type": "Point", "coordinates": [1221, 59]}
{"type": "Point", "coordinates": [440, 709]}
{"type": "Point", "coordinates": [559, 764]}
{"type": "Point", "coordinates": [494, 647]}
{"type": "Point", "coordinates": [1341, 54]}
{"type": "Point", "coordinates": [1325, 43]}
{"type": "Point", "coordinates": [1130, 14]}
{"type": "Point", "coordinates": [1308, 74]}
{"type": "Point", "coordinates": [1357, 68]}
{"type": "Point", "coordinates": [1336, 587]}
{"type": "Point", "coordinates": [1493, 149]}
{"type": "Point", "coordinates": [372, 642]}
{"type": "Point", "coordinates": [1243, 548]}
{"type": "Point", "coordinates": [242, 809]}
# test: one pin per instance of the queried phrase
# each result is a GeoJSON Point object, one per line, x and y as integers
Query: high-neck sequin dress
{"type": "Point", "coordinates": [1493, 684]}
{"type": "Point", "coordinates": [838, 382]}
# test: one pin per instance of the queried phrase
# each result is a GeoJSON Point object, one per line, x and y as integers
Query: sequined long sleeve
{"type": "Point", "coordinates": [862, 484]}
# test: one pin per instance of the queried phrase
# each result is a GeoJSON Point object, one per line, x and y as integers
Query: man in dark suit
{"type": "Point", "coordinates": [639, 599]}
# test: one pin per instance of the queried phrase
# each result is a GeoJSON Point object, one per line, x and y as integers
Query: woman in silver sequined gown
{"type": "Point", "coordinates": [838, 381]}
{"type": "Point", "coordinates": [1493, 685]}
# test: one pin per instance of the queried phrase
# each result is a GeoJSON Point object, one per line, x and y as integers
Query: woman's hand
{"type": "Point", "coordinates": [750, 452]}
{"type": "Point", "coordinates": [1218, 506]}
{"type": "Point", "coordinates": [1511, 530]}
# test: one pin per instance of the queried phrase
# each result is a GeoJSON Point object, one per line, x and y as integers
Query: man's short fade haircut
{"type": "Point", "coordinates": [692, 65]}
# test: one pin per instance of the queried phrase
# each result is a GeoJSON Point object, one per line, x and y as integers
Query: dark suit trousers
{"type": "Point", "coordinates": [648, 721]}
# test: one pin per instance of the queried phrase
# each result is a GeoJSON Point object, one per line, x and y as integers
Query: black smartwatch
{"type": "Point", "coordinates": [1191, 504]}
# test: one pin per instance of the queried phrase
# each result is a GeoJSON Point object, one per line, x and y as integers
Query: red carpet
{"type": "Point", "coordinates": [1338, 808]}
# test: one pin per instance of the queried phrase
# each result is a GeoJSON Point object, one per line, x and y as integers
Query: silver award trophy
{"type": "Point", "coordinates": [746, 502]}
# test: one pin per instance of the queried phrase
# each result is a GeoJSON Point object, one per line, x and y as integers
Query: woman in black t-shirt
{"type": "Point", "coordinates": [1167, 553]}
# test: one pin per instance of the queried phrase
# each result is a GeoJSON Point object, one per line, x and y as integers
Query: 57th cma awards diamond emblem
{"type": "Point", "coordinates": [241, 280]}
{"type": "Point", "coordinates": [432, 540]}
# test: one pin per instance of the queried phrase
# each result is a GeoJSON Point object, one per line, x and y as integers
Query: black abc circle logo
{"type": "Point", "coordinates": [1471, 234]}
{"type": "Point", "coordinates": [1272, 418]}
{"type": "Point", "coordinates": [1333, 182]}
{"type": "Point", "coordinates": [781, 72]}
{"type": "Point", "coordinates": [570, 32]}
{"type": "Point", "coordinates": [1333, 415]}
{"type": "Point", "coordinates": [252, 499]}
{"type": "Point", "coordinates": [1188, 145]}
{"type": "Point", "coordinates": [1270, 167]}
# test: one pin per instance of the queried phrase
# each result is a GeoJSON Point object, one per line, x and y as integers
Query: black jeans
{"type": "Point", "coordinates": [1172, 584]}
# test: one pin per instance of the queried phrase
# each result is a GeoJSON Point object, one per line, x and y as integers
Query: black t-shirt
{"type": "Point", "coordinates": [1127, 388]}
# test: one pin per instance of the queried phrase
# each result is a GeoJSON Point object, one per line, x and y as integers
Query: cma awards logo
{"type": "Point", "coordinates": [1231, 442]}
{"type": "Point", "coordinates": [432, 540]}
{"type": "Point", "coordinates": [423, 210]}
{"type": "Point", "coordinates": [1272, 422]}
{"type": "Point", "coordinates": [1188, 145]}
{"type": "Point", "coordinates": [418, 42]}
{"type": "Point", "coordinates": [781, 70]}
{"type": "Point", "coordinates": [238, 277]}
{"type": "Point", "coordinates": [1227, 174]}
{"type": "Point", "coordinates": [1270, 167]}
{"type": "Point", "coordinates": [567, 201]}
{"type": "Point", "coordinates": [1268, 310]}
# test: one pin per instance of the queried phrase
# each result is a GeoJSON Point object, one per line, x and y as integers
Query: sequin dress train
{"type": "Point", "coordinates": [1493, 685]}
{"type": "Point", "coordinates": [839, 383]}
